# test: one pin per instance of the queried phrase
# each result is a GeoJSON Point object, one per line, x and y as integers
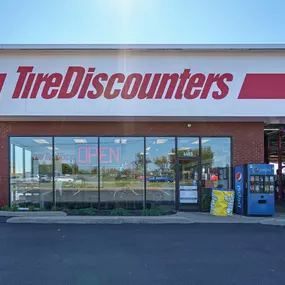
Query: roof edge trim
{"type": "Point", "coordinates": [151, 47]}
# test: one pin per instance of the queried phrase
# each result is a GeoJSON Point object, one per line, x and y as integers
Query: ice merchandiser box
{"type": "Point", "coordinates": [254, 190]}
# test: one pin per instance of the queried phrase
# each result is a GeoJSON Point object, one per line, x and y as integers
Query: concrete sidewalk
{"type": "Point", "coordinates": [179, 218]}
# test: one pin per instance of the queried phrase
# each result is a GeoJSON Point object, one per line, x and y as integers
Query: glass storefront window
{"type": "Point", "coordinates": [160, 173]}
{"type": "Point", "coordinates": [216, 162]}
{"type": "Point", "coordinates": [80, 172]}
{"type": "Point", "coordinates": [76, 171]}
{"type": "Point", "coordinates": [188, 147]}
{"type": "Point", "coordinates": [31, 171]}
{"type": "Point", "coordinates": [216, 166]}
{"type": "Point", "coordinates": [121, 169]}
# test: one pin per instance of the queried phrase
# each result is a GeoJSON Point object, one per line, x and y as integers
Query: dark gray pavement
{"type": "Point", "coordinates": [201, 254]}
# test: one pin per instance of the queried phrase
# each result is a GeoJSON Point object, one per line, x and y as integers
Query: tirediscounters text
{"type": "Point", "coordinates": [81, 83]}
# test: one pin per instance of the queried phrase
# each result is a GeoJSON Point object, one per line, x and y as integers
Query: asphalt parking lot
{"type": "Point", "coordinates": [141, 254]}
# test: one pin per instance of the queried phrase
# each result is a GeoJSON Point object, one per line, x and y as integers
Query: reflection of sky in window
{"type": "Point", "coordinates": [19, 159]}
{"type": "Point", "coordinates": [158, 147]}
{"type": "Point", "coordinates": [129, 147]}
{"type": "Point", "coordinates": [28, 161]}
{"type": "Point", "coordinates": [189, 144]}
{"type": "Point", "coordinates": [31, 147]}
{"type": "Point", "coordinates": [67, 149]}
{"type": "Point", "coordinates": [221, 147]}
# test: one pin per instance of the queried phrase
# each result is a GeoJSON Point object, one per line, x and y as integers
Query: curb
{"type": "Point", "coordinates": [273, 222]}
{"type": "Point", "coordinates": [134, 220]}
{"type": "Point", "coordinates": [32, 214]}
{"type": "Point", "coordinates": [98, 220]}
{"type": "Point", "coordinates": [62, 218]}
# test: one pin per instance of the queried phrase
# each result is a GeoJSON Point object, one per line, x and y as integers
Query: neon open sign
{"type": "Point", "coordinates": [89, 155]}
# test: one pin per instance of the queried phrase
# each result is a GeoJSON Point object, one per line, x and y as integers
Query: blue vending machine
{"type": "Point", "coordinates": [254, 190]}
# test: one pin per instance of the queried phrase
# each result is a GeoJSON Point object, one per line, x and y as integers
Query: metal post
{"type": "Point", "coordinates": [99, 175]}
{"type": "Point", "coordinates": [266, 149]}
{"type": "Point", "coordinates": [144, 174]}
{"type": "Point", "coordinates": [280, 185]}
{"type": "Point", "coordinates": [53, 175]}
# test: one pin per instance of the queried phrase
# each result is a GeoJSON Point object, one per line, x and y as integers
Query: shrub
{"type": "Point", "coordinates": [81, 212]}
{"type": "Point", "coordinates": [54, 209]}
{"type": "Point", "coordinates": [32, 208]}
{"type": "Point", "coordinates": [120, 212]}
{"type": "Point", "coordinates": [67, 210]}
{"type": "Point", "coordinates": [5, 208]}
{"type": "Point", "coordinates": [87, 211]}
{"type": "Point", "coordinates": [14, 208]}
{"type": "Point", "coordinates": [152, 212]}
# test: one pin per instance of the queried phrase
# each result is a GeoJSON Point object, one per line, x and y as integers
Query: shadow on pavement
{"type": "Point", "coordinates": [3, 219]}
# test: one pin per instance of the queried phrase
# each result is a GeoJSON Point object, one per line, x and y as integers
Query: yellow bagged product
{"type": "Point", "coordinates": [222, 202]}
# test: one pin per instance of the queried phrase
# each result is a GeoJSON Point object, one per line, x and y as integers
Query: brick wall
{"type": "Point", "coordinates": [248, 138]}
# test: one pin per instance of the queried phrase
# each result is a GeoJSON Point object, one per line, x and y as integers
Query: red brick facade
{"type": "Point", "coordinates": [247, 138]}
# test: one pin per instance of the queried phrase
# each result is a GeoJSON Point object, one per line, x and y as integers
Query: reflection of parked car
{"type": "Point", "coordinates": [31, 179]}
{"type": "Point", "coordinates": [87, 178]}
{"type": "Point", "coordinates": [57, 174]}
{"type": "Point", "coordinates": [45, 178]}
{"type": "Point", "coordinates": [64, 179]}
{"type": "Point", "coordinates": [141, 178]}
{"type": "Point", "coordinates": [161, 179]}
{"type": "Point", "coordinates": [121, 177]}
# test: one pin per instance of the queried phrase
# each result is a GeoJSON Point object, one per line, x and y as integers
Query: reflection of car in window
{"type": "Point", "coordinates": [45, 178]}
{"type": "Point", "coordinates": [64, 179]}
{"type": "Point", "coordinates": [32, 179]}
{"type": "Point", "coordinates": [57, 174]}
{"type": "Point", "coordinates": [141, 178]}
{"type": "Point", "coordinates": [121, 177]}
{"type": "Point", "coordinates": [161, 179]}
{"type": "Point", "coordinates": [86, 179]}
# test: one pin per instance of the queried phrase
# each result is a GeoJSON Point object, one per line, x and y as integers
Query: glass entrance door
{"type": "Point", "coordinates": [188, 183]}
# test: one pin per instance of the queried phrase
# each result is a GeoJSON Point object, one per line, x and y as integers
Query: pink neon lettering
{"type": "Point", "coordinates": [92, 154]}
{"type": "Point", "coordinates": [80, 160]}
{"type": "Point", "coordinates": [115, 155]}
{"type": "Point", "coordinates": [103, 155]}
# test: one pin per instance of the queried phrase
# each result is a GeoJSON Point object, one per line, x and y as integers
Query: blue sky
{"type": "Point", "coordinates": [141, 21]}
